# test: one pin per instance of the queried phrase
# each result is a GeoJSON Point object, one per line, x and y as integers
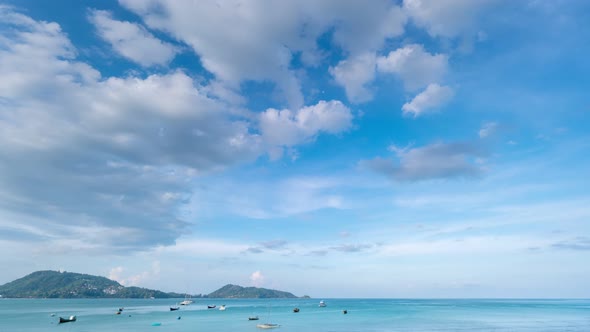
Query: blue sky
{"type": "Point", "coordinates": [415, 148]}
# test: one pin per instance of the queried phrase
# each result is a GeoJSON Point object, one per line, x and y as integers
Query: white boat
{"type": "Point", "coordinates": [322, 304]}
{"type": "Point", "coordinates": [222, 307]}
{"type": "Point", "coordinates": [267, 326]}
{"type": "Point", "coordinates": [187, 301]}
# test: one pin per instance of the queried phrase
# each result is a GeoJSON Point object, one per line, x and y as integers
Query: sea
{"type": "Point", "coordinates": [366, 315]}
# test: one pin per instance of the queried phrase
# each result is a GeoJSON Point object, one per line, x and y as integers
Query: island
{"type": "Point", "coordinates": [239, 292]}
{"type": "Point", "coordinates": [58, 284]}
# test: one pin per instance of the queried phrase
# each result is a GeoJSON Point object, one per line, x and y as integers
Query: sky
{"type": "Point", "coordinates": [336, 148]}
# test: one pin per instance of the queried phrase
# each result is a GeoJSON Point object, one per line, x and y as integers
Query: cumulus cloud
{"type": "Point", "coordinates": [131, 40]}
{"type": "Point", "coordinates": [115, 155]}
{"type": "Point", "coordinates": [117, 274]}
{"type": "Point", "coordinates": [289, 128]}
{"type": "Point", "coordinates": [257, 279]}
{"type": "Point", "coordinates": [416, 67]}
{"type": "Point", "coordinates": [354, 74]}
{"type": "Point", "coordinates": [438, 160]}
{"type": "Point", "coordinates": [260, 47]}
{"type": "Point", "coordinates": [445, 18]}
{"type": "Point", "coordinates": [433, 97]}
{"type": "Point", "coordinates": [412, 64]}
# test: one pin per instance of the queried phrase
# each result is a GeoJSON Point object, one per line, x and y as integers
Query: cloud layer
{"type": "Point", "coordinates": [438, 160]}
{"type": "Point", "coordinates": [131, 40]}
{"type": "Point", "coordinates": [75, 142]}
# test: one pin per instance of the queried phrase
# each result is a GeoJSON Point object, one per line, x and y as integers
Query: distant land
{"type": "Point", "coordinates": [235, 291]}
{"type": "Point", "coordinates": [54, 284]}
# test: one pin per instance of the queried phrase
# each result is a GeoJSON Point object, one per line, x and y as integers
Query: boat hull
{"type": "Point", "coordinates": [267, 326]}
{"type": "Point", "coordinates": [67, 320]}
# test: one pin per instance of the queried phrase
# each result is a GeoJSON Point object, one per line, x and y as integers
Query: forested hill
{"type": "Point", "coordinates": [235, 291]}
{"type": "Point", "coordinates": [54, 284]}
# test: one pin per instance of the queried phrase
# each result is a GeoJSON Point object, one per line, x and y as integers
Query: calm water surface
{"type": "Point", "coordinates": [34, 315]}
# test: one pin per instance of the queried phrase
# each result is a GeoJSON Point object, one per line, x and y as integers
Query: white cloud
{"type": "Point", "coordinates": [360, 28]}
{"type": "Point", "coordinates": [117, 274]}
{"type": "Point", "coordinates": [354, 74]}
{"type": "Point", "coordinates": [289, 128]}
{"type": "Point", "coordinates": [260, 47]}
{"type": "Point", "coordinates": [272, 198]}
{"type": "Point", "coordinates": [131, 40]}
{"type": "Point", "coordinates": [471, 245]}
{"type": "Point", "coordinates": [126, 143]}
{"type": "Point", "coordinates": [416, 67]}
{"type": "Point", "coordinates": [257, 279]}
{"type": "Point", "coordinates": [448, 18]}
{"type": "Point", "coordinates": [488, 129]}
{"type": "Point", "coordinates": [433, 97]}
{"type": "Point", "coordinates": [438, 160]}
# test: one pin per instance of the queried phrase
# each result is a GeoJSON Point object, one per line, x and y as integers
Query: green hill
{"type": "Point", "coordinates": [235, 291]}
{"type": "Point", "coordinates": [53, 284]}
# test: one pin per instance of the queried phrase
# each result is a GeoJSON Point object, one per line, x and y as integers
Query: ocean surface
{"type": "Point", "coordinates": [94, 315]}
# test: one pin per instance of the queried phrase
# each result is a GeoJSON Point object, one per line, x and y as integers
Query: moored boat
{"type": "Point", "coordinates": [253, 318]}
{"type": "Point", "coordinates": [211, 306]}
{"type": "Point", "coordinates": [267, 326]}
{"type": "Point", "coordinates": [322, 303]}
{"type": "Point", "coordinates": [67, 320]}
{"type": "Point", "coordinates": [174, 308]}
{"type": "Point", "coordinates": [187, 301]}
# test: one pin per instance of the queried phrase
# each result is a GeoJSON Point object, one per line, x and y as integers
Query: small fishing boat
{"type": "Point", "coordinates": [222, 307]}
{"type": "Point", "coordinates": [253, 318]}
{"type": "Point", "coordinates": [296, 310]}
{"type": "Point", "coordinates": [267, 326]}
{"type": "Point", "coordinates": [211, 306]}
{"type": "Point", "coordinates": [322, 303]}
{"type": "Point", "coordinates": [174, 308]}
{"type": "Point", "coordinates": [67, 320]}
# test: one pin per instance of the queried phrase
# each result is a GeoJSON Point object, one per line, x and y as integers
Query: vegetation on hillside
{"type": "Point", "coordinates": [235, 291]}
{"type": "Point", "coordinates": [54, 284]}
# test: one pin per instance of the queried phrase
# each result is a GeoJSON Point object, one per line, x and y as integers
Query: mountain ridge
{"type": "Point", "coordinates": [239, 292]}
{"type": "Point", "coordinates": [57, 284]}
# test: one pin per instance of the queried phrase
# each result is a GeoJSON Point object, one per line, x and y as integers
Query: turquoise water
{"type": "Point", "coordinates": [34, 315]}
